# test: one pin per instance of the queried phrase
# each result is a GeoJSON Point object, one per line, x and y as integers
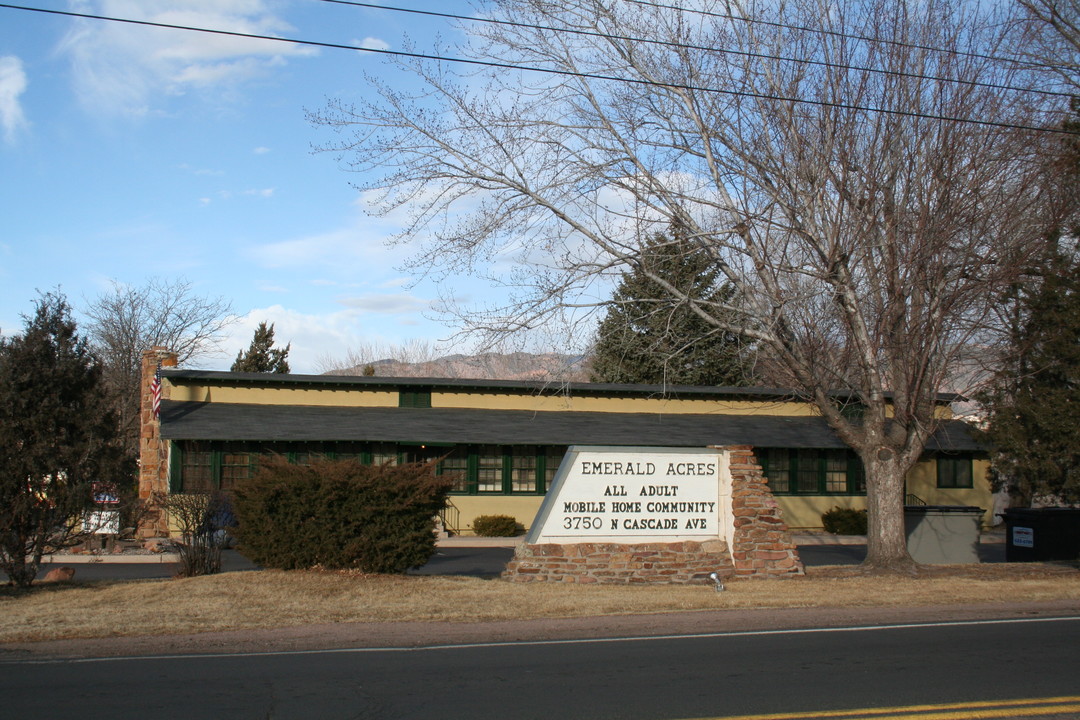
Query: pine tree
{"type": "Point", "coordinates": [1034, 410]}
{"type": "Point", "coordinates": [649, 337]}
{"type": "Point", "coordinates": [58, 436]}
{"type": "Point", "coordinates": [262, 356]}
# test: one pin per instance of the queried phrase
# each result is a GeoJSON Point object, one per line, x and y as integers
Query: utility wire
{"type": "Point", "coordinates": [549, 71]}
{"type": "Point", "coordinates": [686, 46]}
{"type": "Point", "coordinates": [837, 33]}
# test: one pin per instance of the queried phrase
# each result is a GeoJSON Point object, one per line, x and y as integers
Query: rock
{"type": "Point", "coordinates": [154, 545]}
{"type": "Point", "coordinates": [60, 574]}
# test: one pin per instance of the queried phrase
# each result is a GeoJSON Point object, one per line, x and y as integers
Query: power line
{"type": "Point", "coordinates": [849, 36]}
{"type": "Point", "coordinates": [549, 71]}
{"type": "Point", "coordinates": [687, 46]}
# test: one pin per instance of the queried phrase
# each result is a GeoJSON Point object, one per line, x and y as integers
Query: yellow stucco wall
{"type": "Point", "coordinates": [467, 398]}
{"type": "Point", "coordinates": [521, 507]}
{"type": "Point", "coordinates": [804, 511]}
{"type": "Point", "coordinates": [667, 406]}
{"type": "Point", "coordinates": [282, 396]}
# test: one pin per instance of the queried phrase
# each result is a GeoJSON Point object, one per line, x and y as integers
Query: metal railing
{"type": "Point", "coordinates": [451, 517]}
{"type": "Point", "coordinates": [910, 499]}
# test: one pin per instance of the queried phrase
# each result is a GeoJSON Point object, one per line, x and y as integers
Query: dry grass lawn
{"type": "Point", "coordinates": [271, 598]}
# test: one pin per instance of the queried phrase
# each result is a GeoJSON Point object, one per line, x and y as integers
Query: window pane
{"type": "Point", "coordinates": [778, 469]}
{"type": "Point", "coordinates": [234, 467]}
{"type": "Point", "coordinates": [551, 464]}
{"type": "Point", "coordinates": [807, 478]}
{"type": "Point", "coordinates": [523, 470]}
{"type": "Point", "coordinates": [954, 472]}
{"type": "Point", "coordinates": [457, 464]}
{"type": "Point", "coordinates": [836, 465]}
{"type": "Point", "coordinates": [196, 472]}
{"type": "Point", "coordinates": [489, 464]}
{"type": "Point", "coordinates": [382, 453]}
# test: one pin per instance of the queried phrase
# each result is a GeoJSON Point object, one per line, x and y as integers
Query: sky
{"type": "Point", "coordinates": [130, 152]}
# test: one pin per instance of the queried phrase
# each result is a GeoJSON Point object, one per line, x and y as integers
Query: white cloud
{"type": "Point", "coordinates": [312, 336]}
{"type": "Point", "coordinates": [359, 245]}
{"type": "Point", "coordinates": [121, 68]}
{"type": "Point", "coordinates": [12, 85]}
{"type": "Point", "coordinates": [261, 150]}
{"type": "Point", "coordinates": [265, 192]}
{"type": "Point", "coordinates": [371, 43]}
{"type": "Point", "coordinates": [387, 304]}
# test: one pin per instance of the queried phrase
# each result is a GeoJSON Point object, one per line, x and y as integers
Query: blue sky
{"type": "Point", "coordinates": [130, 152]}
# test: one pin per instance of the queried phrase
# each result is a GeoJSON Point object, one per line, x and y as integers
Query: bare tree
{"type": "Point", "coordinates": [866, 175]}
{"type": "Point", "coordinates": [355, 360]}
{"type": "Point", "coordinates": [128, 320]}
{"type": "Point", "coordinates": [1052, 37]}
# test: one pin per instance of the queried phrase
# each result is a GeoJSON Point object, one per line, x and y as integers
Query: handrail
{"type": "Point", "coordinates": [451, 517]}
{"type": "Point", "coordinates": [910, 499]}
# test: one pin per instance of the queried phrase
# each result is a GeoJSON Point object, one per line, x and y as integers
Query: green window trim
{"type": "Point", "coordinates": [955, 472]}
{"type": "Point", "coordinates": [196, 466]}
{"type": "Point", "coordinates": [810, 471]}
{"type": "Point", "coordinates": [414, 398]}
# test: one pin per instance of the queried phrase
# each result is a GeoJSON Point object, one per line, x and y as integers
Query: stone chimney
{"type": "Point", "coordinates": [153, 451]}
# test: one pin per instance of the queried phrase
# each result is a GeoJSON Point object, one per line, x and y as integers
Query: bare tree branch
{"type": "Point", "coordinates": [867, 238]}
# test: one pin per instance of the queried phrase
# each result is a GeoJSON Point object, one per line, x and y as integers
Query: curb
{"type": "Point", "coordinates": [458, 541]}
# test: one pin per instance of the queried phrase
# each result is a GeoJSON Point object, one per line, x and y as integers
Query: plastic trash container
{"type": "Point", "coordinates": [1038, 534]}
{"type": "Point", "coordinates": [943, 534]}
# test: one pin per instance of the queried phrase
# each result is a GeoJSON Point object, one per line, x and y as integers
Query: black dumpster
{"type": "Point", "coordinates": [943, 534]}
{"type": "Point", "coordinates": [1038, 534]}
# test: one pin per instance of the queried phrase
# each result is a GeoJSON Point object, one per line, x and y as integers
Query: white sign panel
{"type": "Point", "coordinates": [1023, 537]}
{"type": "Point", "coordinates": [634, 495]}
{"type": "Point", "coordinates": [102, 522]}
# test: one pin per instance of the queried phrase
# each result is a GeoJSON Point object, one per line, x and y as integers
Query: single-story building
{"type": "Point", "coordinates": [505, 439]}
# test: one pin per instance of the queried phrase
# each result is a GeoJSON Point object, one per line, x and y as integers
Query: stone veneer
{"type": "Point", "coordinates": [762, 546]}
{"type": "Point", "coordinates": [153, 451]}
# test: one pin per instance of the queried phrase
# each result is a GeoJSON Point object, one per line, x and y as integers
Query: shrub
{"type": "Point", "coordinates": [203, 519]}
{"type": "Point", "coordinates": [496, 526]}
{"type": "Point", "coordinates": [844, 521]}
{"type": "Point", "coordinates": [340, 514]}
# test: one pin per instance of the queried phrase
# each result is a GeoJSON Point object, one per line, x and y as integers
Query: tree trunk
{"type": "Point", "coordinates": [886, 540]}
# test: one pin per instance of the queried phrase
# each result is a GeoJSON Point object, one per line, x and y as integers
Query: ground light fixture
{"type": "Point", "coordinates": [715, 577]}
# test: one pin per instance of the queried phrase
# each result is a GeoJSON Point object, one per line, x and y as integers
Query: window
{"type": "Point", "coordinates": [383, 453]}
{"type": "Point", "coordinates": [235, 467]}
{"type": "Point", "coordinates": [954, 472]}
{"type": "Point", "coordinates": [489, 469]}
{"type": "Point", "coordinates": [197, 471]}
{"type": "Point", "coordinates": [812, 472]}
{"type": "Point", "coordinates": [414, 397]}
{"type": "Point", "coordinates": [523, 463]}
{"type": "Point", "coordinates": [457, 464]}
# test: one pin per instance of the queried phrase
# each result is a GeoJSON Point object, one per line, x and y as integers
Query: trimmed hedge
{"type": "Point", "coordinates": [844, 521]}
{"type": "Point", "coordinates": [340, 514]}
{"type": "Point", "coordinates": [496, 526]}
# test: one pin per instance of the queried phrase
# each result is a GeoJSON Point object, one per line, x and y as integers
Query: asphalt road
{"type": "Point", "coordinates": [733, 673]}
{"type": "Point", "coordinates": [479, 562]}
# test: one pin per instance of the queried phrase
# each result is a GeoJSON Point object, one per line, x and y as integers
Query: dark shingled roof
{"type": "Point", "coordinates": [224, 421]}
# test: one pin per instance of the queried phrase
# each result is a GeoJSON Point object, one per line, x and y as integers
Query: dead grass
{"type": "Point", "coordinates": [268, 599]}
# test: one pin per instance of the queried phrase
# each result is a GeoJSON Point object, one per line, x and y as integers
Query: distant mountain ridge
{"type": "Point", "coordinates": [543, 367]}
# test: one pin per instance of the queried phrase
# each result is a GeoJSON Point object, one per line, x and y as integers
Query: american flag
{"type": "Point", "coordinates": [155, 391]}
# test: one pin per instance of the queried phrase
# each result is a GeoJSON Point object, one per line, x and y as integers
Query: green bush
{"type": "Point", "coordinates": [340, 514]}
{"type": "Point", "coordinates": [844, 521]}
{"type": "Point", "coordinates": [496, 526]}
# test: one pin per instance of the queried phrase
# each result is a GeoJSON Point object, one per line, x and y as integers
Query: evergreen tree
{"type": "Point", "coordinates": [58, 436]}
{"type": "Point", "coordinates": [650, 337]}
{"type": "Point", "coordinates": [262, 356]}
{"type": "Point", "coordinates": [1034, 410]}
